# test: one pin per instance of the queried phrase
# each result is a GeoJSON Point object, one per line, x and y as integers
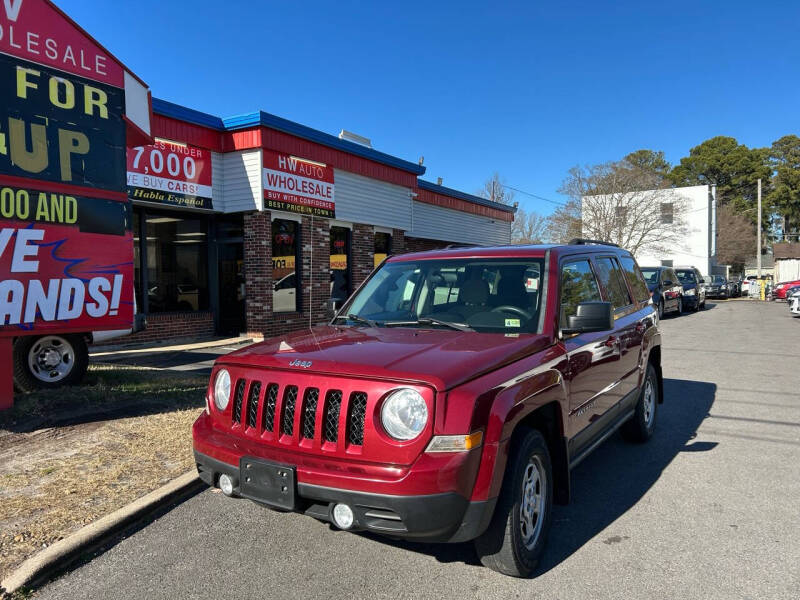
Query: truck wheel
{"type": "Point", "coordinates": [517, 533]}
{"type": "Point", "coordinates": [640, 427]}
{"type": "Point", "coordinates": [49, 361]}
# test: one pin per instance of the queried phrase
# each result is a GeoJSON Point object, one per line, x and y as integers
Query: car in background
{"type": "Point", "coordinates": [694, 294]}
{"type": "Point", "coordinates": [717, 287]}
{"type": "Point", "coordinates": [793, 298]}
{"type": "Point", "coordinates": [779, 291]}
{"type": "Point", "coordinates": [665, 289]}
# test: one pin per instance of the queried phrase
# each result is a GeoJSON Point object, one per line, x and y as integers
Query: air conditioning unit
{"type": "Point", "coordinates": [355, 138]}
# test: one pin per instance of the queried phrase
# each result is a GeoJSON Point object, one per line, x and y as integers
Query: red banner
{"type": "Point", "coordinates": [298, 185]}
{"type": "Point", "coordinates": [54, 278]}
{"type": "Point", "coordinates": [37, 31]}
{"type": "Point", "coordinates": [170, 173]}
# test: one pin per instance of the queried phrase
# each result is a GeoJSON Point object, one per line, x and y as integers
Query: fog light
{"type": "Point", "coordinates": [342, 516]}
{"type": "Point", "coordinates": [226, 484]}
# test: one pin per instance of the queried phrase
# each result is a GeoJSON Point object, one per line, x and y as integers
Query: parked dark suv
{"type": "Point", "coordinates": [694, 293]}
{"type": "Point", "coordinates": [447, 401]}
{"type": "Point", "coordinates": [718, 287]}
{"type": "Point", "coordinates": [666, 289]}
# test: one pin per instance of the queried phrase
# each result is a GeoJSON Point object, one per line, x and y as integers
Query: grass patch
{"type": "Point", "coordinates": [72, 455]}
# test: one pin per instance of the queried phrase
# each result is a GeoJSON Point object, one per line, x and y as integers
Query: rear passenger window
{"type": "Point", "coordinates": [636, 279]}
{"type": "Point", "coordinates": [577, 285]}
{"type": "Point", "coordinates": [611, 277]}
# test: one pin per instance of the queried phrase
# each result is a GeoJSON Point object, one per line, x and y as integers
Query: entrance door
{"type": "Point", "coordinates": [231, 288]}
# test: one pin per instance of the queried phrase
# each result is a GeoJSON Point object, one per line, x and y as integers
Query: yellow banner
{"type": "Point", "coordinates": [339, 262]}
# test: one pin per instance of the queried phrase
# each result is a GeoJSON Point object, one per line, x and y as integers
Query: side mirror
{"type": "Point", "coordinates": [590, 317]}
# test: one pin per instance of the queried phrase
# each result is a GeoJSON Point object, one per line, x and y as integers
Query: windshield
{"type": "Point", "coordinates": [486, 295]}
{"type": "Point", "coordinates": [719, 279]}
{"type": "Point", "coordinates": [686, 275]}
{"type": "Point", "coordinates": [650, 275]}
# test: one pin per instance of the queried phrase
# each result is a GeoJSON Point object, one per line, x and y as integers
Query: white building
{"type": "Point", "coordinates": [694, 208]}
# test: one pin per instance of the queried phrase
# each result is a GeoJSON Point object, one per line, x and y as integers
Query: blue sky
{"type": "Point", "coordinates": [527, 89]}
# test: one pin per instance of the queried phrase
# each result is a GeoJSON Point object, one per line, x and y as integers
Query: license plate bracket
{"type": "Point", "coordinates": [268, 482]}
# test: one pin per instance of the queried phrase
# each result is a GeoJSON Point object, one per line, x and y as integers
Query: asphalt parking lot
{"type": "Point", "coordinates": [708, 509]}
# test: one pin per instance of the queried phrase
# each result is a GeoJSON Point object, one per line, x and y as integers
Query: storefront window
{"type": "Point", "coordinates": [177, 263]}
{"type": "Point", "coordinates": [383, 246]}
{"type": "Point", "coordinates": [285, 265]}
{"type": "Point", "coordinates": [340, 263]}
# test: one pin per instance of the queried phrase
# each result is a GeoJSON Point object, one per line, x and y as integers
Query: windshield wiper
{"type": "Point", "coordinates": [429, 321]}
{"type": "Point", "coordinates": [358, 319]}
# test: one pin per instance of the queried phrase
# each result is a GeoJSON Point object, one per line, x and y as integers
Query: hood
{"type": "Point", "coordinates": [439, 358]}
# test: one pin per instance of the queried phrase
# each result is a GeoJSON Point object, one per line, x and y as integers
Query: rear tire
{"type": "Point", "coordinates": [640, 427]}
{"type": "Point", "coordinates": [517, 533]}
{"type": "Point", "coordinates": [49, 361]}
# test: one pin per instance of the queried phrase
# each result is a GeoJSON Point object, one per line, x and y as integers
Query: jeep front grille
{"type": "Point", "coordinates": [238, 398]}
{"type": "Point", "coordinates": [289, 400]}
{"type": "Point", "coordinates": [252, 403]}
{"type": "Point", "coordinates": [330, 420]}
{"type": "Point", "coordinates": [355, 424]}
{"type": "Point", "coordinates": [291, 411]}
{"type": "Point", "coordinates": [309, 412]}
{"type": "Point", "coordinates": [271, 399]}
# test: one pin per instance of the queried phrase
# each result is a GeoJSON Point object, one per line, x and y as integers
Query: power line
{"type": "Point", "coordinates": [532, 195]}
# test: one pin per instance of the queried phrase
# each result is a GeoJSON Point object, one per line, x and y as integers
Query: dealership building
{"type": "Point", "coordinates": [250, 224]}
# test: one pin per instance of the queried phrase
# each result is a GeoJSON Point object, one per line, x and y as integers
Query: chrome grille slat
{"type": "Point", "coordinates": [252, 403]}
{"type": "Point", "coordinates": [287, 417]}
{"type": "Point", "coordinates": [357, 411]}
{"type": "Point", "coordinates": [330, 419]}
{"type": "Point", "coordinates": [270, 400]}
{"type": "Point", "coordinates": [310, 399]}
{"type": "Point", "coordinates": [238, 399]}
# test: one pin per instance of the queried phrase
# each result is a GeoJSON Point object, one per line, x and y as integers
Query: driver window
{"type": "Point", "coordinates": [578, 284]}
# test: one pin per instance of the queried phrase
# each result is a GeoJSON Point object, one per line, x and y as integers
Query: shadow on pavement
{"type": "Point", "coordinates": [611, 481]}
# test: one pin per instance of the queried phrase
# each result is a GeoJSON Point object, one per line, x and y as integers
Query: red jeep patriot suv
{"type": "Point", "coordinates": [448, 399]}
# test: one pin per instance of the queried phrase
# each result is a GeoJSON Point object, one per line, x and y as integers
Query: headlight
{"type": "Point", "coordinates": [404, 414]}
{"type": "Point", "coordinates": [222, 389]}
{"type": "Point", "coordinates": [690, 292]}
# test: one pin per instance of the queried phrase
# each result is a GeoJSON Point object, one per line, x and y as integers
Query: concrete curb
{"type": "Point", "coordinates": [61, 554]}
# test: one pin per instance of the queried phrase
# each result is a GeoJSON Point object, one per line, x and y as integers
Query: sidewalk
{"type": "Point", "coordinates": [195, 357]}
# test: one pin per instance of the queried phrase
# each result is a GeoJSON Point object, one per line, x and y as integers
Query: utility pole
{"type": "Point", "coordinates": [758, 235]}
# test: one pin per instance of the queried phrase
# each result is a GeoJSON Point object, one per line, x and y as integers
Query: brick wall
{"type": "Point", "coordinates": [162, 327]}
{"type": "Point", "coordinates": [423, 244]}
{"type": "Point", "coordinates": [363, 252]}
{"type": "Point", "coordinates": [398, 241]}
{"type": "Point", "coordinates": [258, 272]}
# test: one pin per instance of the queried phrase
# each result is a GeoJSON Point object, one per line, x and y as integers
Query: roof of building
{"type": "Point", "coordinates": [783, 250]}
{"type": "Point", "coordinates": [440, 189]}
{"type": "Point", "coordinates": [263, 119]}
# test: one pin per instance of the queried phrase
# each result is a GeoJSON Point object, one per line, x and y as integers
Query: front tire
{"type": "Point", "coordinates": [660, 310]}
{"type": "Point", "coordinates": [640, 427]}
{"type": "Point", "coordinates": [680, 306]}
{"type": "Point", "coordinates": [49, 361]}
{"type": "Point", "coordinates": [517, 533]}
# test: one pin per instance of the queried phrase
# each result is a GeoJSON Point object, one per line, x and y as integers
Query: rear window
{"type": "Point", "coordinates": [610, 275]}
{"type": "Point", "coordinates": [635, 279]}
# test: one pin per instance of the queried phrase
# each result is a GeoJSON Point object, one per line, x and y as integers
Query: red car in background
{"type": "Point", "coordinates": [780, 289]}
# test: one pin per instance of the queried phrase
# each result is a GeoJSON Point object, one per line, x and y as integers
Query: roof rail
{"type": "Point", "coordinates": [584, 241]}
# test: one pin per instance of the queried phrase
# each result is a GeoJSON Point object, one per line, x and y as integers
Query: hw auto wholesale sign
{"type": "Point", "coordinates": [170, 173]}
{"type": "Point", "coordinates": [298, 185]}
{"type": "Point", "coordinates": [66, 107]}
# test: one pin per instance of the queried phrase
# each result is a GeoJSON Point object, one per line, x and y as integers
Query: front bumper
{"type": "Point", "coordinates": [445, 517]}
{"type": "Point", "coordinates": [690, 302]}
{"type": "Point", "coordinates": [429, 499]}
